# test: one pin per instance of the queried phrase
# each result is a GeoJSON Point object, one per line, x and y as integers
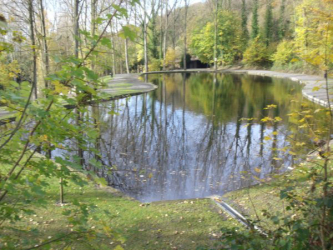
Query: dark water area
{"type": "Point", "coordinates": [187, 140]}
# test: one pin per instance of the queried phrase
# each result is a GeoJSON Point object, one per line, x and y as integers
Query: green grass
{"type": "Point", "coordinates": [266, 195]}
{"type": "Point", "coordinates": [180, 224]}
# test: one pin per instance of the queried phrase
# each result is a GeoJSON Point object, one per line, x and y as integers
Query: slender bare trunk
{"type": "Point", "coordinates": [45, 45]}
{"type": "Point", "coordinates": [165, 34]}
{"type": "Point", "coordinates": [33, 45]}
{"type": "Point", "coordinates": [126, 56]}
{"type": "Point", "coordinates": [145, 36]}
{"type": "Point", "coordinates": [113, 52]}
{"type": "Point", "coordinates": [93, 27]}
{"type": "Point", "coordinates": [126, 48]}
{"type": "Point", "coordinates": [215, 40]}
{"type": "Point", "coordinates": [76, 28]}
{"type": "Point", "coordinates": [161, 29]}
{"type": "Point", "coordinates": [185, 34]}
{"type": "Point", "coordinates": [76, 54]}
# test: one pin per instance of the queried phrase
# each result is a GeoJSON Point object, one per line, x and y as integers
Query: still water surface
{"type": "Point", "coordinates": [187, 140]}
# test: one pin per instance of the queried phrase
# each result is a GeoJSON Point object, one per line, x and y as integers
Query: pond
{"type": "Point", "coordinates": [187, 139]}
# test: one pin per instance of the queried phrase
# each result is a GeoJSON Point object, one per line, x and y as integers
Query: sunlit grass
{"type": "Point", "coordinates": [181, 224]}
{"type": "Point", "coordinates": [254, 200]}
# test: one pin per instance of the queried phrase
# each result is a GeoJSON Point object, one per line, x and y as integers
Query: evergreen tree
{"type": "Point", "coordinates": [245, 33]}
{"type": "Point", "coordinates": [255, 24]}
{"type": "Point", "coordinates": [282, 27]}
{"type": "Point", "coordinates": [268, 28]}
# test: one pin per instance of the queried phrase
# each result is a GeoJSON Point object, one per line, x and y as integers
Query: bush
{"type": "Point", "coordinates": [284, 53]}
{"type": "Point", "coordinates": [170, 58]}
{"type": "Point", "coordinates": [155, 65]}
{"type": "Point", "coordinates": [257, 54]}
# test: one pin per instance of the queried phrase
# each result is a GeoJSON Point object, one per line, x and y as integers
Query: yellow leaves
{"type": "Point", "coordinates": [8, 71]}
{"type": "Point", "coordinates": [293, 114]}
{"type": "Point", "coordinates": [266, 119]}
{"type": "Point", "coordinates": [303, 126]}
{"type": "Point", "coordinates": [317, 60]}
{"type": "Point", "coordinates": [271, 106]}
{"type": "Point", "coordinates": [292, 153]}
{"type": "Point", "coordinates": [118, 248]}
{"type": "Point", "coordinates": [269, 119]}
{"type": "Point", "coordinates": [258, 170]}
{"type": "Point", "coordinates": [317, 88]}
{"type": "Point", "coordinates": [59, 88]}
{"type": "Point", "coordinates": [170, 57]}
{"type": "Point", "coordinates": [150, 176]}
{"type": "Point", "coordinates": [267, 138]}
{"type": "Point", "coordinates": [43, 138]}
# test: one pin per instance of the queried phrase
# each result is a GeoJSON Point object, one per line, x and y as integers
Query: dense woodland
{"type": "Point", "coordinates": [156, 34]}
{"type": "Point", "coordinates": [53, 57]}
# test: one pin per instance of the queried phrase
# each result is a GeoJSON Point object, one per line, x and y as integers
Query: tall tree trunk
{"type": "Point", "coordinates": [45, 45]}
{"type": "Point", "coordinates": [113, 51]}
{"type": "Point", "coordinates": [126, 47]}
{"type": "Point", "coordinates": [76, 28]}
{"type": "Point", "coordinates": [165, 34]}
{"type": "Point", "coordinates": [76, 54]}
{"type": "Point", "coordinates": [185, 34]}
{"type": "Point", "coordinates": [161, 30]}
{"type": "Point", "coordinates": [93, 27]}
{"type": "Point", "coordinates": [126, 56]}
{"type": "Point", "coordinates": [145, 36]}
{"type": "Point", "coordinates": [33, 45]}
{"type": "Point", "coordinates": [216, 31]}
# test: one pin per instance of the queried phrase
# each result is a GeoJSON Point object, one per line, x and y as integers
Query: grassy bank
{"type": "Point", "coordinates": [181, 224]}
{"type": "Point", "coordinates": [266, 196]}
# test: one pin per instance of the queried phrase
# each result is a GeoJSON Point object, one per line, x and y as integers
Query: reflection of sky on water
{"type": "Point", "coordinates": [186, 140]}
{"type": "Point", "coordinates": [163, 149]}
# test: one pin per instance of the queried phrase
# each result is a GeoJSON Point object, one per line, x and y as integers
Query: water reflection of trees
{"type": "Point", "coordinates": [186, 139]}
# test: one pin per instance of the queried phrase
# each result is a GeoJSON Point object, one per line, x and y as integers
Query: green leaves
{"type": "Point", "coordinates": [128, 32]}
{"type": "Point", "coordinates": [106, 42]}
{"type": "Point", "coordinates": [121, 12]}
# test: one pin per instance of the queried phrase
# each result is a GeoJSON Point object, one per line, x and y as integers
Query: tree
{"type": "Point", "coordinates": [255, 23]}
{"type": "Point", "coordinates": [229, 43]}
{"type": "Point", "coordinates": [33, 46]}
{"type": "Point", "coordinates": [282, 24]}
{"type": "Point", "coordinates": [268, 26]}
{"type": "Point", "coordinates": [313, 34]}
{"type": "Point", "coordinates": [257, 53]}
{"type": "Point", "coordinates": [186, 2]}
{"type": "Point", "coordinates": [45, 50]}
{"type": "Point", "coordinates": [245, 32]}
{"type": "Point", "coordinates": [285, 53]}
{"type": "Point", "coordinates": [23, 176]}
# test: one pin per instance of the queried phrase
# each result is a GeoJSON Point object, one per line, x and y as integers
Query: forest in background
{"type": "Point", "coordinates": [292, 35]}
